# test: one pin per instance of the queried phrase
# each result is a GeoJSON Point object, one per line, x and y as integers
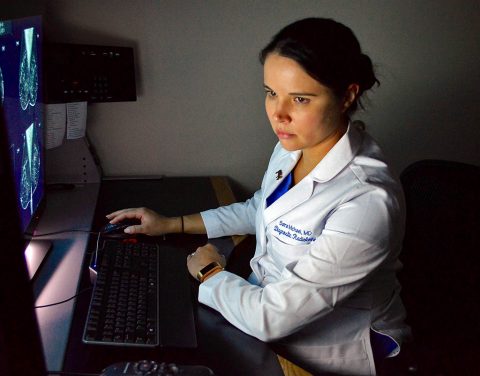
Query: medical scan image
{"type": "Point", "coordinates": [28, 87]}
{"type": "Point", "coordinates": [30, 167]}
{"type": "Point", "coordinates": [21, 48]}
{"type": "Point", "coordinates": [28, 83]}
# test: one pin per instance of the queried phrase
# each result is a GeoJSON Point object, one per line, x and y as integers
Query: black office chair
{"type": "Point", "coordinates": [441, 274]}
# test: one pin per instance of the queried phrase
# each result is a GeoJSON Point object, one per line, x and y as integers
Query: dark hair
{"type": "Point", "coordinates": [328, 51]}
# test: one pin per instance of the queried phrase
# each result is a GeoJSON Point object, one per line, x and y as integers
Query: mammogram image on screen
{"type": "Point", "coordinates": [20, 80]}
{"type": "Point", "coordinates": [28, 87]}
{"type": "Point", "coordinates": [30, 167]}
{"type": "Point", "coordinates": [28, 82]}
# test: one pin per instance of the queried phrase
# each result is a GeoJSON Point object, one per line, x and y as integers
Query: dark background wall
{"type": "Point", "coordinates": [200, 97]}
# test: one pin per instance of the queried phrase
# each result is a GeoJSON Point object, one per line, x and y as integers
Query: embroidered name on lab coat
{"type": "Point", "coordinates": [287, 230]}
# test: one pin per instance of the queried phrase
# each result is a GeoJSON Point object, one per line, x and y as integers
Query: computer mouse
{"type": "Point", "coordinates": [112, 228]}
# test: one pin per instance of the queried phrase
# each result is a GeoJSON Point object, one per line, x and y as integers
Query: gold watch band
{"type": "Point", "coordinates": [207, 270]}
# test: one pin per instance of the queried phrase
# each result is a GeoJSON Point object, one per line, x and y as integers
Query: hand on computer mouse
{"type": "Point", "coordinates": [127, 225]}
{"type": "Point", "coordinates": [150, 222]}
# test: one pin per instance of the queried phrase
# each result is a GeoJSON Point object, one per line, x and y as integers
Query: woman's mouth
{"type": "Point", "coordinates": [283, 135]}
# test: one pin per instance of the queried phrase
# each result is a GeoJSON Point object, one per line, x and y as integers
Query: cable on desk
{"type": "Point", "coordinates": [96, 250]}
{"type": "Point", "coordinates": [64, 301]}
{"type": "Point", "coordinates": [59, 232]}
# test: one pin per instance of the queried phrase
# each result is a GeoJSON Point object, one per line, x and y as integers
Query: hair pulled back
{"type": "Point", "coordinates": [328, 51]}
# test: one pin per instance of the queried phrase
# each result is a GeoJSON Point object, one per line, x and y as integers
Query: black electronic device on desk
{"type": "Point", "coordinates": [124, 306]}
{"type": "Point", "coordinates": [152, 368]}
{"type": "Point", "coordinates": [110, 228]}
{"type": "Point", "coordinates": [128, 285]}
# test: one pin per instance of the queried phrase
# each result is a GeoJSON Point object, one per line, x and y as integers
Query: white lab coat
{"type": "Point", "coordinates": [325, 260]}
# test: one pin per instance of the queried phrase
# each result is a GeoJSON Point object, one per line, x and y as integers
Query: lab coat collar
{"type": "Point", "coordinates": [302, 191]}
{"type": "Point", "coordinates": [339, 156]}
{"type": "Point", "coordinates": [285, 165]}
{"type": "Point", "coordinates": [335, 161]}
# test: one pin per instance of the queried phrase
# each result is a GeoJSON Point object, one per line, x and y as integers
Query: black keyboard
{"type": "Point", "coordinates": [124, 305]}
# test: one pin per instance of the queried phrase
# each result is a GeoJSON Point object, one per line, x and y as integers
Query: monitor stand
{"type": "Point", "coordinates": [35, 254]}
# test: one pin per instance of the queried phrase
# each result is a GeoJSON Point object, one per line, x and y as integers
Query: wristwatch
{"type": "Point", "coordinates": [207, 270]}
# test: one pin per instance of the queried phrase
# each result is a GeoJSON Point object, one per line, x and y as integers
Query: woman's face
{"type": "Point", "coordinates": [304, 114]}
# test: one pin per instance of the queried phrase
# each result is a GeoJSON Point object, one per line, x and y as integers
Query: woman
{"type": "Point", "coordinates": [328, 217]}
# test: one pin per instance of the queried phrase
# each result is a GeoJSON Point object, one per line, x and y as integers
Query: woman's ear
{"type": "Point", "coordinates": [350, 96]}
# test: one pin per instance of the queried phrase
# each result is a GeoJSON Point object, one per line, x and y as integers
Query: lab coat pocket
{"type": "Point", "coordinates": [284, 254]}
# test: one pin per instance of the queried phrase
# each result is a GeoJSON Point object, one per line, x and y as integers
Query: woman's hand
{"type": "Point", "coordinates": [151, 223]}
{"type": "Point", "coordinates": [202, 257]}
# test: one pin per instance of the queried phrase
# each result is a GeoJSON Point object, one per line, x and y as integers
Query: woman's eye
{"type": "Point", "coordinates": [270, 93]}
{"type": "Point", "coordinates": [302, 100]}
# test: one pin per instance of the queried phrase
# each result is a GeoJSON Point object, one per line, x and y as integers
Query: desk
{"type": "Point", "coordinates": [222, 347]}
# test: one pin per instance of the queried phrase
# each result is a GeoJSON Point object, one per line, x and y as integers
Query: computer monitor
{"type": "Point", "coordinates": [21, 350]}
{"type": "Point", "coordinates": [21, 98]}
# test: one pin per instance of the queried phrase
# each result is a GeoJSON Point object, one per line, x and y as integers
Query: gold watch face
{"type": "Point", "coordinates": [206, 269]}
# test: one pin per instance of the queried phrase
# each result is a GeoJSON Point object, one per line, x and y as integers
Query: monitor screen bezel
{"type": "Point", "coordinates": [12, 27]}
{"type": "Point", "coordinates": [35, 251]}
{"type": "Point", "coordinates": [21, 350]}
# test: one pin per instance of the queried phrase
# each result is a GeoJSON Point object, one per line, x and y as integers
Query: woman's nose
{"type": "Point", "coordinates": [281, 113]}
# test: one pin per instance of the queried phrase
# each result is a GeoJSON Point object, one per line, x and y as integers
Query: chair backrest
{"type": "Point", "coordinates": [441, 256]}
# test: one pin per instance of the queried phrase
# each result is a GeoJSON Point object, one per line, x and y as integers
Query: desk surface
{"type": "Point", "coordinates": [222, 347]}
{"type": "Point", "coordinates": [58, 277]}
